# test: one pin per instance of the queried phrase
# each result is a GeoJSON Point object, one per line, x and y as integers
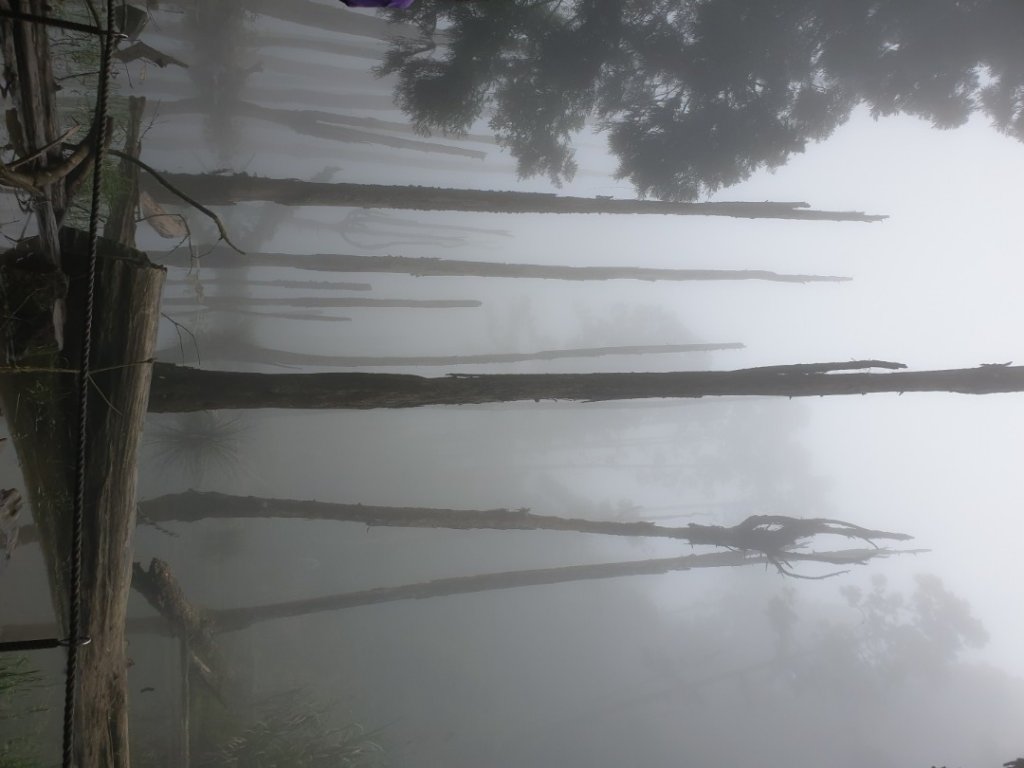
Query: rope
{"type": "Point", "coordinates": [75, 640]}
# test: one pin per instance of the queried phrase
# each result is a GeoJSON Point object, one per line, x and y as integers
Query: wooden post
{"type": "Point", "coordinates": [41, 406]}
{"type": "Point", "coordinates": [120, 224]}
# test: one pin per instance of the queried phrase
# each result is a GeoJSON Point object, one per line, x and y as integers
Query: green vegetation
{"type": "Point", "coordinates": [288, 732]}
{"type": "Point", "coordinates": [16, 677]}
{"type": "Point", "coordinates": [17, 681]}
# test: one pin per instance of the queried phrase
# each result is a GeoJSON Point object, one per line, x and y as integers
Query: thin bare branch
{"type": "Point", "coordinates": [191, 201]}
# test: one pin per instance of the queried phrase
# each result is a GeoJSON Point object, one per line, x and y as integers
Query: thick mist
{"type": "Point", "coordinates": [904, 660]}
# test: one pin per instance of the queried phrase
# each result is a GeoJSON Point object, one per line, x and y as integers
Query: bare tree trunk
{"type": "Point", "coordinates": [217, 189]}
{"type": "Point", "coordinates": [232, 302]}
{"type": "Point", "coordinates": [233, 619]}
{"type": "Point", "coordinates": [41, 405]}
{"type": "Point", "coordinates": [220, 258]}
{"type": "Point", "coordinates": [250, 353]}
{"type": "Point", "coordinates": [772, 535]}
{"type": "Point", "coordinates": [120, 224]}
{"type": "Point", "coordinates": [324, 125]}
{"type": "Point", "coordinates": [177, 389]}
{"type": "Point", "coordinates": [273, 217]}
{"type": "Point", "coordinates": [763, 533]}
{"type": "Point", "coordinates": [293, 316]}
{"type": "Point", "coordinates": [302, 285]}
{"type": "Point", "coordinates": [32, 124]}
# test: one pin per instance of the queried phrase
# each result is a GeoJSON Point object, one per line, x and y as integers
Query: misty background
{"type": "Point", "coordinates": [908, 660]}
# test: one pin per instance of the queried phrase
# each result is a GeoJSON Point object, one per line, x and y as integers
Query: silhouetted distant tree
{"type": "Point", "coordinates": [696, 96]}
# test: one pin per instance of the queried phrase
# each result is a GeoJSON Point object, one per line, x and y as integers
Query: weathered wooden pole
{"type": "Point", "coordinates": [41, 406]}
{"type": "Point", "coordinates": [178, 389]}
{"type": "Point", "coordinates": [228, 189]}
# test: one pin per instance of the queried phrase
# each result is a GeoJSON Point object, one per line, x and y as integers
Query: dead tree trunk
{"type": "Point", "coordinates": [219, 258]}
{"type": "Point", "coordinates": [278, 316]}
{"type": "Point", "coordinates": [120, 225]}
{"type": "Point", "coordinates": [233, 302]}
{"type": "Point", "coordinates": [320, 124]}
{"type": "Point", "coordinates": [296, 285]}
{"type": "Point", "coordinates": [227, 189]}
{"type": "Point", "coordinates": [772, 534]}
{"type": "Point", "coordinates": [178, 390]}
{"type": "Point", "coordinates": [233, 619]}
{"type": "Point", "coordinates": [41, 406]}
{"type": "Point", "coordinates": [32, 125]}
{"type": "Point", "coordinates": [242, 352]}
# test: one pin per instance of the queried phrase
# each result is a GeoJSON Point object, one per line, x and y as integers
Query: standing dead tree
{"type": "Point", "coordinates": [244, 352]}
{"type": "Point", "coordinates": [776, 538]}
{"type": "Point", "coordinates": [227, 189]}
{"type": "Point", "coordinates": [234, 619]}
{"type": "Point", "coordinates": [428, 267]}
{"type": "Point", "coordinates": [178, 389]}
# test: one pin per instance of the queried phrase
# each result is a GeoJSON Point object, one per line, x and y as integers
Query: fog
{"type": "Point", "coordinates": [904, 660]}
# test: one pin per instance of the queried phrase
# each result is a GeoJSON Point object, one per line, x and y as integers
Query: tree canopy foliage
{"type": "Point", "coordinates": [898, 637]}
{"type": "Point", "coordinates": [696, 95]}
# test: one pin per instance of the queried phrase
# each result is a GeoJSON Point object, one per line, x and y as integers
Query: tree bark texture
{"type": "Point", "coordinates": [231, 302]}
{"type": "Point", "coordinates": [251, 353]}
{"type": "Point", "coordinates": [120, 225]}
{"type": "Point", "coordinates": [231, 281]}
{"type": "Point", "coordinates": [772, 534]}
{"type": "Point", "coordinates": [42, 412]}
{"type": "Point", "coordinates": [234, 619]}
{"type": "Point", "coordinates": [227, 189]}
{"type": "Point", "coordinates": [33, 123]}
{"type": "Point", "coordinates": [178, 389]}
{"type": "Point", "coordinates": [220, 257]}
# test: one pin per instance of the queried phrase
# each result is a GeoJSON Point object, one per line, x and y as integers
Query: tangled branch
{"type": "Point", "coordinates": [778, 537]}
